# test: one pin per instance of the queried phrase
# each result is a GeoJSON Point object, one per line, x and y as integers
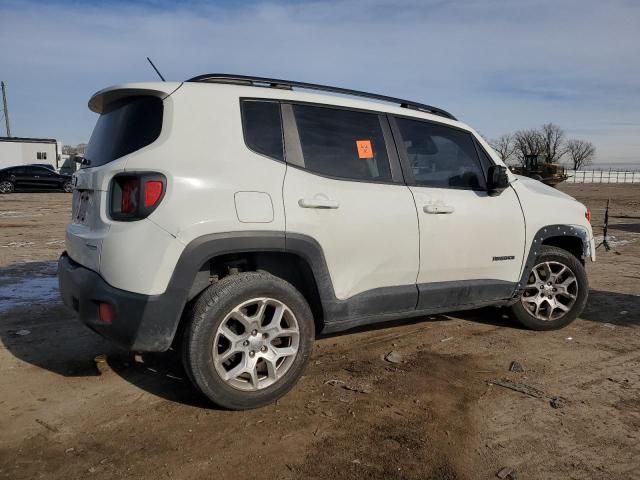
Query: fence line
{"type": "Point", "coordinates": [604, 176]}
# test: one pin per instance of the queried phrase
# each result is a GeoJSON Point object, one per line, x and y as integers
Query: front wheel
{"type": "Point", "coordinates": [556, 291]}
{"type": "Point", "coordinates": [67, 187]}
{"type": "Point", "coordinates": [247, 340]}
{"type": "Point", "coordinates": [6, 186]}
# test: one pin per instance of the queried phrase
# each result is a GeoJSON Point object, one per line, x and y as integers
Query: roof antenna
{"type": "Point", "coordinates": [154, 67]}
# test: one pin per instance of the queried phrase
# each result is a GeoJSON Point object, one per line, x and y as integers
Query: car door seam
{"type": "Point", "coordinates": [524, 242]}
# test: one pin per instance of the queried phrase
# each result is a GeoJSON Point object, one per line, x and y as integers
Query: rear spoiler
{"type": "Point", "coordinates": [101, 100]}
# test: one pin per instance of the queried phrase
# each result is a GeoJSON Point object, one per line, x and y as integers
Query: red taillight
{"type": "Point", "coordinates": [136, 195]}
{"type": "Point", "coordinates": [105, 313]}
{"type": "Point", "coordinates": [587, 215]}
{"type": "Point", "coordinates": [152, 192]}
{"type": "Point", "coordinates": [129, 202]}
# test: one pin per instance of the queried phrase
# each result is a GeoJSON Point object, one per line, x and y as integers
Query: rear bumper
{"type": "Point", "coordinates": [140, 322]}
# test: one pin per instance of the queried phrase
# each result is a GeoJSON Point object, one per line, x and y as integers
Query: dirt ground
{"type": "Point", "coordinates": [435, 415]}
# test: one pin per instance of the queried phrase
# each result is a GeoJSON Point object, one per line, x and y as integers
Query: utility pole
{"type": "Point", "coordinates": [5, 109]}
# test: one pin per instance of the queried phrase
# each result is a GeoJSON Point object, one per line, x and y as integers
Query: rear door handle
{"type": "Point", "coordinates": [438, 209]}
{"type": "Point", "coordinates": [318, 203]}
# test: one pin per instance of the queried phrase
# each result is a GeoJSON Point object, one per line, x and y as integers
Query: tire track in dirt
{"type": "Point", "coordinates": [420, 427]}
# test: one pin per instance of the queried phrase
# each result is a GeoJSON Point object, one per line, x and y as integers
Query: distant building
{"type": "Point", "coordinates": [24, 151]}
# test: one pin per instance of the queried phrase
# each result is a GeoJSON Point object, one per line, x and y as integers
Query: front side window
{"type": "Point", "coordinates": [342, 143]}
{"type": "Point", "coordinates": [441, 156]}
{"type": "Point", "coordinates": [262, 127]}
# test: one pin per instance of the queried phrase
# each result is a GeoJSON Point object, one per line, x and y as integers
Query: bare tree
{"type": "Point", "coordinates": [581, 153]}
{"type": "Point", "coordinates": [504, 146]}
{"type": "Point", "coordinates": [553, 147]}
{"type": "Point", "coordinates": [68, 149]}
{"type": "Point", "coordinates": [74, 150]}
{"type": "Point", "coordinates": [528, 142]}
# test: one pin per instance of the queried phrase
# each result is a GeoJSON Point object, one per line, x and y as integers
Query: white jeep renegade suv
{"type": "Point", "coordinates": [241, 215]}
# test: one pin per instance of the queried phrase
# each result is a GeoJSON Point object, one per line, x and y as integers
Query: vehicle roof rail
{"type": "Point", "coordinates": [290, 84]}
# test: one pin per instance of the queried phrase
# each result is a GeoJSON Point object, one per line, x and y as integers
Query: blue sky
{"type": "Point", "coordinates": [497, 65]}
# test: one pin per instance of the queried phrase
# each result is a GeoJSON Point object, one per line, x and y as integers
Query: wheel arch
{"type": "Point", "coordinates": [298, 260]}
{"type": "Point", "coordinates": [572, 244]}
{"type": "Point", "coordinates": [288, 266]}
{"type": "Point", "coordinates": [572, 238]}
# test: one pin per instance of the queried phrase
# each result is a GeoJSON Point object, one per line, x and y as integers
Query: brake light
{"type": "Point", "coordinates": [152, 192]}
{"type": "Point", "coordinates": [134, 196]}
{"type": "Point", "coordinates": [587, 215]}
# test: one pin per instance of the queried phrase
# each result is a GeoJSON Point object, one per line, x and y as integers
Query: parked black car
{"type": "Point", "coordinates": [33, 177]}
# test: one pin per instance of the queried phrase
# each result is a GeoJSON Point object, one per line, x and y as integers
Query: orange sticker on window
{"type": "Point", "coordinates": [364, 149]}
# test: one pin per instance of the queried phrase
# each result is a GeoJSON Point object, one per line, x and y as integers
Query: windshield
{"type": "Point", "coordinates": [128, 126]}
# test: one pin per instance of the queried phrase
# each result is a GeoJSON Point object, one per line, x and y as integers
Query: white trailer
{"type": "Point", "coordinates": [25, 151]}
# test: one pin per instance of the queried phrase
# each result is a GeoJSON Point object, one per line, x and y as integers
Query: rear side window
{"type": "Point", "coordinates": [262, 128]}
{"type": "Point", "coordinates": [342, 143]}
{"type": "Point", "coordinates": [126, 127]}
{"type": "Point", "coordinates": [441, 156]}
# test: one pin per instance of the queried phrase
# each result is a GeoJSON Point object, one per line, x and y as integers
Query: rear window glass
{"type": "Point", "coordinates": [262, 128]}
{"type": "Point", "coordinates": [342, 143]}
{"type": "Point", "coordinates": [126, 127]}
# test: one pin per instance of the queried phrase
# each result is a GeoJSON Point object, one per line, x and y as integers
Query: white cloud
{"type": "Point", "coordinates": [498, 65]}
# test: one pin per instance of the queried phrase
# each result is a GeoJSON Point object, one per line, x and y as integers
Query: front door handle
{"type": "Point", "coordinates": [438, 209]}
{"type": "Point", "coordinates": [318, 203]}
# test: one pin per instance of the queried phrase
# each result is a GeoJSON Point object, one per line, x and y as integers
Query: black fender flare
{"type": "Point", "coordinates": [544, 233]}
{"type": "Point", "coordinates": [202, 249]}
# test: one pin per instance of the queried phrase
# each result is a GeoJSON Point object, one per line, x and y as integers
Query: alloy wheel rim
{"type": "Point", "coordinates": [551, 291]}
{"type": "Point", "coordinates": [5, 187]}
{"type": "Point", "coordinates": [67, 187]}
{"type": "Point", "coordinates": [256, 344]}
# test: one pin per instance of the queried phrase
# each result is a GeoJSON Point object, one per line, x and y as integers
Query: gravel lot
{"type": "Point", "coordinates": [436, 414]}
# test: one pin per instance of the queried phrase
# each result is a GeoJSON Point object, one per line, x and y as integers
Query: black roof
{"type": "Point", "coordinates": [289, 84]}
{"type": "Point", "coordinates": [27, 140]}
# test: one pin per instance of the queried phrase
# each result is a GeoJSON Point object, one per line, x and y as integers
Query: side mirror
{"type": "Point", "coordinates": [497, 179]}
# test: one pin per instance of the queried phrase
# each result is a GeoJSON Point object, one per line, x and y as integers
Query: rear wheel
{"type": "Point", "coordinates": [247, 340]}
{"type": "Point", "coordinates": [556, 291]}
{"type": "Point", "coordinates": [6, 186]}
{"type": "Point", "coordinates": [67, 187]}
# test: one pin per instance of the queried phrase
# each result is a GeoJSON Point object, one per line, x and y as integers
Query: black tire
{"type": "Point", "coordinates": [67, 187]}
{"type": "Point", "coordinates": [7, 186]}
{"type": "Point", "coordinates": [207, 313]}
{"type": "Point", "coordinates": [558, 255]}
